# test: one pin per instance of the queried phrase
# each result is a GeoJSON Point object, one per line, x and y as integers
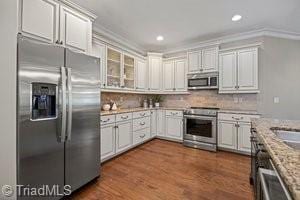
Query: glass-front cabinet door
{"type": "Point", "coordinates": [128, 73]}
{"type": "Point", "coordinates": [114, 59]}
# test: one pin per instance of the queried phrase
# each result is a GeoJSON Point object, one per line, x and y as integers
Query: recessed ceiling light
{"type": "Point", "coordinates": [236, 18]}
{"type": "Point", "coordinates": [159, 38]}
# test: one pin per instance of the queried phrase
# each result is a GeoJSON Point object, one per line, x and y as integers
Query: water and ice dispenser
{"type": "Point", "coordinates": [44, 101]}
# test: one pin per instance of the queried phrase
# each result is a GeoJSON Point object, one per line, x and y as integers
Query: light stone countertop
{"type": "Point", "coordinates": [242, 112]}
{"type": "Point", "coordinates": [285, 158]}
{"type": "Point", "coordinates": [127, 110]}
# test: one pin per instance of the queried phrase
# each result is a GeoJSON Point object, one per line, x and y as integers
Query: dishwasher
{"type": "Point", "coordinates": [267, 183]}
{"type": "Point", "coordinates": [271, 185]}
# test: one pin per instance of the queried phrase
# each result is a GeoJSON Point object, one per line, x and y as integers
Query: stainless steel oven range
{"type": "Point", "coordinates": [200, 128]}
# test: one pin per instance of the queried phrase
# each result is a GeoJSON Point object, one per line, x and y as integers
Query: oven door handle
{"type": "Point", "coordinates": [198, 117]}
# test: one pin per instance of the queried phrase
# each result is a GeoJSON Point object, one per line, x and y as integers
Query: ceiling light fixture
{"type": "Point", "coordinates": [236, 18]}
{"type": "Point", "coordinates": [159, 38]}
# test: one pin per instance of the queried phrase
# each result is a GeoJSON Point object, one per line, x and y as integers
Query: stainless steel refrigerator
{"type": "Point", "coordinates": [58, 117]}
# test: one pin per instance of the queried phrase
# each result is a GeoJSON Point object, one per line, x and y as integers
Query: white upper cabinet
{"type": "Point", "coordinates": [53, 22]}
{"type": "Point", "coordinates": [168, 75]}
{"type": "Point", "coordinates": [155, 71]}
{"type": "Point", "coordinates": [141, 74]}
{"type": "Point", "coordinates": [174, 75]}
{"type": "Point", "coordinates": [99, 51]}
{"type": "Point", "coordinates": [180, 75]}
{"type": "Point", "coordinates": [247, 69]}
{"type": "Point", "coordinates": [39, 19]}
{"type": "Point", "coordinates": [75, 30]}
{"type": "Point", "coordinates": [194, 59]}
{"type": "Point", "coordinates": [238, 71]}
{"type": "Point", "coordinates": [203, 61]}
{"type": "Point", "coordinates": [227, 71]}
{"type": "Point", "coordinates": [210, 60]}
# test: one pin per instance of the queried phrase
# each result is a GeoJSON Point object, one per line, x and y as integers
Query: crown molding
{"type": "Point", "coordinates": [236, 37]}
{"type": "Point", "coordinates": [112, 38]}
{"type": "Point", "coordinates": [80, 9]}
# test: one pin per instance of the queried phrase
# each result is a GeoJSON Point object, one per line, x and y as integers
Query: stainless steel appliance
{"type": "Point", "coordinates": [203, 81]}
{"type": "Point", "coordinates": [266, 181]}
{"type": "Point", "coordinates": [200, 128]}
{"type": "Point", "coordinates": [58, 117]}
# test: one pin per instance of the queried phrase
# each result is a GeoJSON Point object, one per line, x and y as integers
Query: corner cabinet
{"type": "Point", "coordinates": [203, 61]}
{"type": "Point", "coordinates": [53, 22]}
{"type": "Point", "coordinates": [238, 71]}
{"type": "Point", "coordinates": [155, 71]}
{"type": "Point", "coordinates": [174, 75]}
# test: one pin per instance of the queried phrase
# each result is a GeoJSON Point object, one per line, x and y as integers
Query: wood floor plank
{"type": "Point", "coordinates": [160, 170]}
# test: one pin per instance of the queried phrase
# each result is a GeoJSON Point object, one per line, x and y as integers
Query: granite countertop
{"type": "Point", "coordinates": [127, 110]}
{"type": "Point", "coordinates": [285, 158]}
{"type": "Point", "coordinates": [245, 112]}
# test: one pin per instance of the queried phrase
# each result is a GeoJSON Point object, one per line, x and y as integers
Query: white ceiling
{"type": "Point", "coordinates": [183, 22]}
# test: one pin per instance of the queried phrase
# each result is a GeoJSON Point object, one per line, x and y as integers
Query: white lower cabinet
{"type": "Point", "coordinates": [141, 135]}
{"type": "Point", "coordinates": [123, 136]}
{"type": "Point", "coordinates": [107, 141]}
{"type": "Point", "coordinates": [174, 127]}
{"type": "Point", "coordinates": [227, 133]}
{"type": "Point", "coordinates": [234, 132]}
{"type": "Point", "coordinates": [153, 128]}
{"type": "Point", "coordinates": [244, 133]}
{"type": "Point", "coordinates": [160, 122]}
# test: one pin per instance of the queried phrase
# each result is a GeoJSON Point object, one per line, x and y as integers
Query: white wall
{"type": "Point", "coordinates": [8, 49]}
{"type": "Point", "coordinates": [279, 77]}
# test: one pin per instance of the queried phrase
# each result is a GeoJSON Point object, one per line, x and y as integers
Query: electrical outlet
{"type": "Point", "coordinates": [276, 100]}
{"type": "Point", "coordinates": [181, 98]}
{"type": "Point", "coordinates": [121, 99]}
{"type": "Point", "coordinates": [241, 100]}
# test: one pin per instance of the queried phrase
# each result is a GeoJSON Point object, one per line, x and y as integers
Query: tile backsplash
{"type": "Point", "coordinates": [202, 98]}
{"type": "Point", "coordinates": [211, 98]}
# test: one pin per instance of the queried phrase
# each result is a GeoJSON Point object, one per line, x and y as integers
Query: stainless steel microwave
{"type": "Point", "coordinates": [203, 81]}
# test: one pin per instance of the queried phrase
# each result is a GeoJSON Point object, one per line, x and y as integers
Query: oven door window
{"type": "Point", "coordinates": [199, 82]}
{"type": "Point", "coordinates": [199, 127]}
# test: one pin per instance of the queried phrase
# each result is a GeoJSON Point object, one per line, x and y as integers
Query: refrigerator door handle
{"type": "Point", "coordinates": [70, 108]}
{"type": "Point", "coordinates": [64, 105]}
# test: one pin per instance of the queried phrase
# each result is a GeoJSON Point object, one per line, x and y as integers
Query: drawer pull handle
{"type": "Point", "coordinates": [236, 118]}
{"type": "Point", "coordinates": [174, 113]}
{"type": "Point", "coordinates": [142, 136]}
{"type": "Point", "coordinates": [105, 120]}
{"type": "Point", "coordinates": [142, 114]}
{"type": "Point", "coordinates": [124, 117]}
{"type": "Point", "coordinates": [142, 123]}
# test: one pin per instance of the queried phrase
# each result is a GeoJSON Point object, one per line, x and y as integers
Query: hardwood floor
{"type": "Point", "coordinates": [167, 170]}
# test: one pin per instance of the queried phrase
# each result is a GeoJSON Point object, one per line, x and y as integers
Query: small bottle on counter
{"type": "Point", "coordinates": [145, 104]}
{"type": "Point", "coordinates": [150, 103]}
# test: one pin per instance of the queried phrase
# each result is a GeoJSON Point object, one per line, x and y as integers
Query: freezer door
{"type": "Point", "coordinates": [40, 148]}
{"type": "Point", "coordinates": [83, 140]}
